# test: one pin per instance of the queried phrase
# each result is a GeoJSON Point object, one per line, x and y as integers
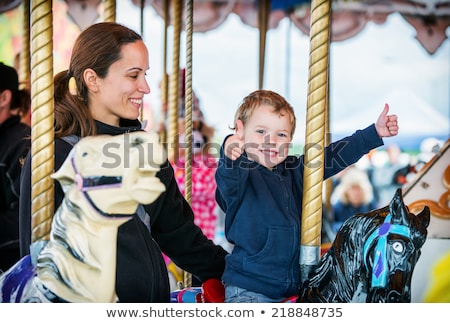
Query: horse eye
{"type": "Point", "coordinates": [137, 141]}
{"type": "Point", "coordinates": [397, 246]}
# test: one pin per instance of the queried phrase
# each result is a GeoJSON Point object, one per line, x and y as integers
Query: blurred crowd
{"type": "Point", "coordinates": [372, 182]}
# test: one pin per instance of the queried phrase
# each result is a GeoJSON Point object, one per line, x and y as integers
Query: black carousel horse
{"type": "Point", "coordinates": [372, 257]}
{"type": "Point", "coordinates": [371, 260]}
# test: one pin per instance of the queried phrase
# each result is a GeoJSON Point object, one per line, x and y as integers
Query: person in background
{"type": "Point", "coordinates": [260, 189]}
{"type": "Point", "coordinates": [383, 175]}
{"type": "Point", "coordinates": [204, 166]}
{"type": "Point", "coordinates": [102, 93]}
{"type": "Point", "coordinates": [23, 107]}
{"type": "Point", "coordinates": [14, 146]}
{"type": "Point", "coordinates": [353, 195]}
{"type": "Point", "coordinates": [23, 104]}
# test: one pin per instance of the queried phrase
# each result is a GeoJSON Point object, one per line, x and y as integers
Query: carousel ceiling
{"type": "Point", "coordinates": [430, 18]}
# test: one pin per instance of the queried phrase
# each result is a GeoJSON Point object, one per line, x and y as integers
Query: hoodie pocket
{"type": "Point", "coordinates": [275, 258]}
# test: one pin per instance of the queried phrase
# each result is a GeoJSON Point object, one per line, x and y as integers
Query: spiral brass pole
{"type": "Point", "coordinates": [24, 69]}
{"type": "Point", "coordinates": [164, 81]}
{"type": "Point", "coordinates": [109, 12]}
{"type": "Point", "coordinates": [188, 103]}
{"type": "Point", "coordinates": [263, 19]}
{"type": "Point", "coordinates": [188, 116]}
{"type": "Point", "coordinates": [329, 182]}
{"type": "Point", "coordinates": [315, 132]}
{"type": "Point", "coordinates": [174, 80]}
{"type": "Point", "coordinates": [141, 14]}
{"type": "Point", "coordinates": [42, 132]}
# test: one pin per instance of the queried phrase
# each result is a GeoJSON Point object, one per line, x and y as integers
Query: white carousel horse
{"type": "Point", "coordinates": [104, 179]}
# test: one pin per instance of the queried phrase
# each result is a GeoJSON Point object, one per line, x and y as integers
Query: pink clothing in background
{"type": "Point", "coordinates": [203, 191]}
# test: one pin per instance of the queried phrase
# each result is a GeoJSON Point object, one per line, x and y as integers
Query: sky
{"type": "Point", "coordinates": [384, 63]}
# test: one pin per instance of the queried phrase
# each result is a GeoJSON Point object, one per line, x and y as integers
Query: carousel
{"type": "Point", "coordinates": [418, 214]}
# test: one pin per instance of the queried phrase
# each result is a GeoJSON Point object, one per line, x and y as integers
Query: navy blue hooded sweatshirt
{"type": "Point", "coordinates": [263, 214]}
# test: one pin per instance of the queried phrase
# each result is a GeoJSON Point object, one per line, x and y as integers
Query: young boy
{"type": "Point", "coordinates": [260, 189]}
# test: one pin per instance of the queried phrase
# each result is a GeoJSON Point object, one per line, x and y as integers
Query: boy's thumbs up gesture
{"type": "Point", "coordinates": [386, 125]}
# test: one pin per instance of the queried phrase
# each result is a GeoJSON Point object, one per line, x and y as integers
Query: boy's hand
{"type": "Point", "coordinates": [234, 145]}
{"type": "Point", "coordinates": [386, 125]}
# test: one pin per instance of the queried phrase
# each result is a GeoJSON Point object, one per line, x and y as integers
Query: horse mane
{"type": "Point", "coordinates": [66, 225]}
{"type": "Point", "coordinates": [68, 256]}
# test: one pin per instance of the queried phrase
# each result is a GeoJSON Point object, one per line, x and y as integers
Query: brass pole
{"type": "Point", "coordinates": [263, 18]}
{"type": "Point", "coordinates": [42, 132]}
{"type": "Point", "coordinates": [164, 81]}
{"type": "Point", "coordinates": [188, 103]}
{"type": "Point", "coordinates": [188, 116]}
{"type": "Point", "coordinates": [25, 54]}
{"type": "Point", "coordinates": [109, 13]}
{"type": "Point", "coordinates": [315, 133]}
{"type": "Point", "coordinates": [329, 182]}
{"type": "Point", "coordinates": [141, 12]}
{"type": "Point", "coordinates": [174, 84]}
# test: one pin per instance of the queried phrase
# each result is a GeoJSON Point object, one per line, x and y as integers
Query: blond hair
{"type": "Point", "coordinates": [353, 176]}
{"type": "Point", "coordinates": [260, 97]}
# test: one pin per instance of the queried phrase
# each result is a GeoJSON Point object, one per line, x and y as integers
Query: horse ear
{"type": "Point", "coordinates": [397, 201]}
{"type": "Point", "coordinates": [397, 208]}
{"type": "Point", "coordinates": [424, 216]}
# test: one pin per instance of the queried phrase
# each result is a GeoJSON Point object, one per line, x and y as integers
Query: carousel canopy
{"type": "Point", "coordinates": [430, 18]}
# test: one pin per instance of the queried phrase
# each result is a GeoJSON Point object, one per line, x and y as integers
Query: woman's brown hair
{"type": "Point", "coordinates": [97, 47]}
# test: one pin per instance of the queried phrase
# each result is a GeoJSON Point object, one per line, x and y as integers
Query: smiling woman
{"type": "Point", "coordinates": [108, 66]}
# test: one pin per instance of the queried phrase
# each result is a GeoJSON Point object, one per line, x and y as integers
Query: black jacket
{"type": "Point", "coordinates": [141, 271]}
{"type": "Point", "coordinates": [14, 146]}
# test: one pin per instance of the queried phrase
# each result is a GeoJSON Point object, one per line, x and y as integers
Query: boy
{"type": "Point", "coordinates": [260, 189]}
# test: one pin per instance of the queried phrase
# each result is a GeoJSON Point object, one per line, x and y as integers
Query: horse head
{"type": "Point", "coordinates": [123, 167]}
{"type": "Point", "coordinates": [392, 250]}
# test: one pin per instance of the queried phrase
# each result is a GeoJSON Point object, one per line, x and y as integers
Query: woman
{"type": "Point", "coordinates": [102, 93]}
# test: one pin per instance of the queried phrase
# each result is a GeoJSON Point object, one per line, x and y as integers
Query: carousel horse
{"type": "Point", "coordinates": [105, 179]}
{"type": "Point", "coordinates": [371, 260]}
{"type": "Point", "coordinates": [372, 257]}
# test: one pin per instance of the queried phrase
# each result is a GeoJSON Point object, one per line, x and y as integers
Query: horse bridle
{"type": "Point", "coordinates": [380, 268]}
{"type": "Point", "coordinates": [90, 183]}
